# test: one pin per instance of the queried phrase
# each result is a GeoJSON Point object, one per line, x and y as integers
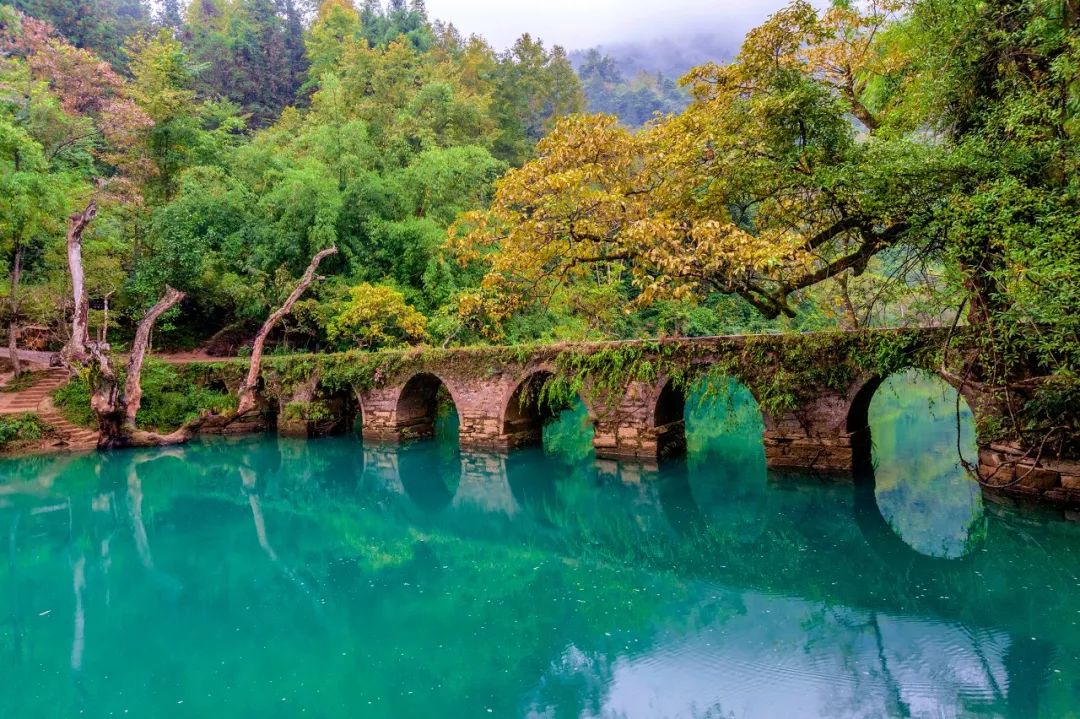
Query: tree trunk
{"type": "Point", "coordinates": [115, 411]}
{"type": "Point", "coordinates": [13, 302]}
{"type": "Point", "coordinates": [76, 351]}
{"type": "Point", "coordinates": [851, 317]}
{"type": "Point", "coordinates": [246, 403]}
{"type": "Point", "coordinates": [133, 380]}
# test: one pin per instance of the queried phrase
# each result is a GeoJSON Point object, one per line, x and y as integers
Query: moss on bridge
{"type": "Point", "coordinates": [783, 371]}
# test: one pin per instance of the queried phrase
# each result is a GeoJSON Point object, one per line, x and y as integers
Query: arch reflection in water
{"type": "Point", "coordinates": [567, 444]}
{"type": "Point", "coordinates": [340, 594]}
{"type": "Point", "coordinates": [430, 470]}
{"type": "Point", "coordinates": [922, 490]}
{"type": "Point", "coordinates": [726, 468]}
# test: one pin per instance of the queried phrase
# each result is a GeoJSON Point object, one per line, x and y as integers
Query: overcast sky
{"type": "Point", "coordinates": [578, 24]}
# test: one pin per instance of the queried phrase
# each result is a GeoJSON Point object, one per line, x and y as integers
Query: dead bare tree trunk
{"type": "Point", "coordinates": [76, 351]}
{"type": "Point", "coordinates": [13, 305]}
{"type": "Point", "coordinates": [116, 411]}
{"type": "Point", "coordinates": [133, 380]}
{"type": "Point", "coordinates": [246, 403]}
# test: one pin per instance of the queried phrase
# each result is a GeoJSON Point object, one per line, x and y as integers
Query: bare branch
{"type": "Point", "coordinates": [133, 381]}
{"type": "Point", "coordinates": [246, 401]}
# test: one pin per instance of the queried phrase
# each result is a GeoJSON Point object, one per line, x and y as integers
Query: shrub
{"type": "Point", "coordinates": [22, 428]}
{"type": "Point", "coordinates": [73, 401]}
{"type": "Point", "coordinates": [171, 397]}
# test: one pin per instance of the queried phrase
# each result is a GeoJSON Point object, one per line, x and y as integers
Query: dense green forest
{"type": "Point", "coordinates": [877, 163]}
{"type": "Point", "coordinates": [232, 139]}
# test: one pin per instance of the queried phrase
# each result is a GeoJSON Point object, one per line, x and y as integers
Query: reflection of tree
{"type": "Point", "coordinates": [135, 512]}
{"type": "Point", "coordinates": [165, 581]}
{"type": "Point", "coordinates": [894, 701]}
{"type": "Point", "coordinates": [78, 634]}
{"type": "Point", "coordinates": [576, 683]}
{"type": "Point", "coordinates": [468, 604]}
{"type": "Point", "coordinates": [247, 475]}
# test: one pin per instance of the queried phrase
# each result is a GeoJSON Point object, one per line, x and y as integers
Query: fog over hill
{"type": "Point", "coordinates": [638, 80]}
{"type": "Point", "coordinates": [671, 57]}
{"type": "Point", "coordinates": [629, 54]}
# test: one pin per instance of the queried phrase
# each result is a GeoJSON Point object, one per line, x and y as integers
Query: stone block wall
{"type": "Point", "coordinates": [1009, 472]}
{"type": "Point", "coordinates": [641, 420]}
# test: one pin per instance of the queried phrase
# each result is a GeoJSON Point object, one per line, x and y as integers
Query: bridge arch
{"type": "Point", "coordinates": [671, 403]}
{"type": "Point", "coordinates": [430, 475]}
{"type": "Point", "coordinates": [668, 418]}
{"type": "Point", "coordinates": [318, 409]}
{"type": "Point", "coordinates": [909, 431]}
{"type": "Point", "coordinates": [418, 404]}
{"type": "Point", "coordinates": [865, 388]}
{"type": "Point", "coordinates": [342, 408]}
{"type": "Point", "coordinates": [526, 408]}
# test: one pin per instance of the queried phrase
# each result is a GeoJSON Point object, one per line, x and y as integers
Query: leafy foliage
{"type": "Point", "coordinates": [21, 428]}
{"type": "Point", "coordinates": [882, 162]}
{"type": "Point", "coordinates": [376, 316]}
{"type": "Point", "coordinates": [172, 396]}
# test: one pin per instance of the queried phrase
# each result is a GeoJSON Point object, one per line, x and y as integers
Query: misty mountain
{"type": "Point", "coordinates": [635, 81]}
{"type": "Point", "coordinates": [669, 57]}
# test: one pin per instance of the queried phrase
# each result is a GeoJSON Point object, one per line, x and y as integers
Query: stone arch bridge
{"type": "Point", "coordinates": [815, 415]}
{"type": "Point", "coordinates": [813, 389]}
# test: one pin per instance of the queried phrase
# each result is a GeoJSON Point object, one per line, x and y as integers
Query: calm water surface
{"type": "Point", "coordinates": [279, 578]}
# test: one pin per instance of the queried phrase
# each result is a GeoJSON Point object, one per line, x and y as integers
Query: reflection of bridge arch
{"type": "Point", "coordinates": [679, 506]}
{"type": "Point", "coordinates": [430, 474]}
{"type": "Point", "coordinates": [928, 471]}
{"type": "Point", "coordinates": [884, 540]}
{"type": "Point", "coordinates": [533, 485]}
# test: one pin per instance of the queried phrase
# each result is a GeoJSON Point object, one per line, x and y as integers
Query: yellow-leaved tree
{"type": "Point", "coordinates": [376, 316]}
{"type": "Point", "coordinates": [779, 175]}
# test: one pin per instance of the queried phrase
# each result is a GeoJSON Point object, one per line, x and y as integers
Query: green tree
{"type": "Point", "coordinates": [170, 17]}
{"type": "Point", "coordinates": [32, 205]}
{"type": "Point", "coordinates": [248, 53]}
{"type": "Point", "coordinates": [336, 27]}
{"type": "Point", "coordinates": [101, 26]}
{"type": "Point", "coordinates": [163, 86]}
{"type": "Point", "coordinates": [535, 87]}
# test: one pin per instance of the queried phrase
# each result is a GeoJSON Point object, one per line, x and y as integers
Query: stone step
{"type": "Point", "coordinates": [35, 399]}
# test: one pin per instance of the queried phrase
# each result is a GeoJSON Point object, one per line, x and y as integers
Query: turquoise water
{"type": "Point", "coordinates": [280, 578]}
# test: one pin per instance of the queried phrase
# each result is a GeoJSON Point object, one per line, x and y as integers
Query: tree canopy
{"type": "Point", "coordinates": [834, 142]}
